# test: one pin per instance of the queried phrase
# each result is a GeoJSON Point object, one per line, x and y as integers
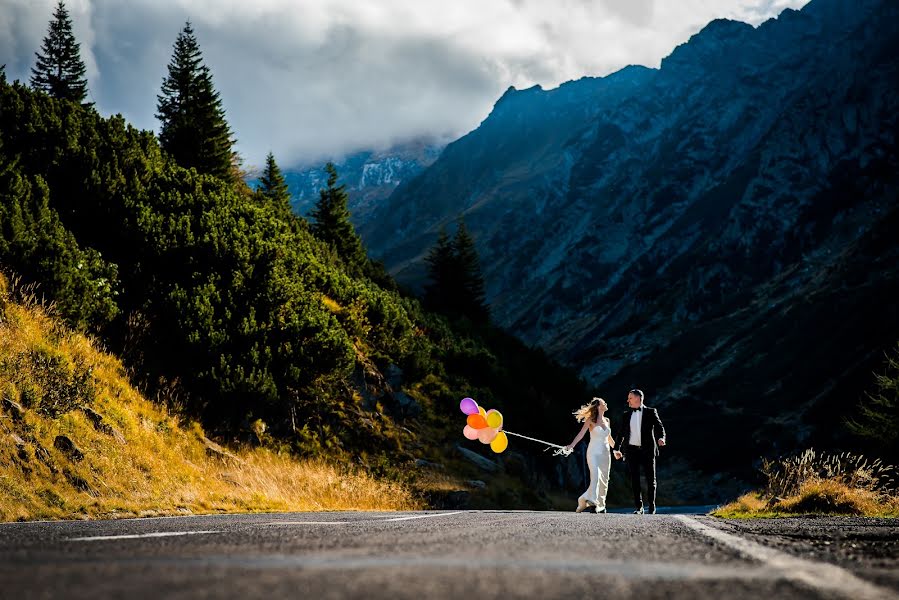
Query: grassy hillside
{"type": "Point", "coordinates": [236, 314]}
{"type": "Point", "coordinates": [77, 440]}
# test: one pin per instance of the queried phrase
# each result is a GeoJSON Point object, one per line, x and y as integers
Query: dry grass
{"type": "Point", "coordinates": [835, 497]}
{"type": "Point", "coordinates": [142, 460]}
{"type": "Point", "coordinates": [752, 504]}
{"type": "Point", "coordinates": [437, 481]}
{"type": "Point", "coordinates": [814, 483]}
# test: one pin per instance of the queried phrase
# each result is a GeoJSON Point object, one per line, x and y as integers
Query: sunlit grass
{"type": "Point", "coordinates": [820, 484]}
{"type": "Point", "coordinates": [814, 498]}
{"type": "Point", "coordinates": [149, 462]}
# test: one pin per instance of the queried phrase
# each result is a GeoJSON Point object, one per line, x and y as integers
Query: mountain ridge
{"type": "Point", "coordinates": [369, 175]}
{"type": "Point", "coordinates": [618, 216]}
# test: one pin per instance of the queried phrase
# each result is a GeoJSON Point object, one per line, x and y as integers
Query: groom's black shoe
{"type": "Point", "coordinates": [652, 510]}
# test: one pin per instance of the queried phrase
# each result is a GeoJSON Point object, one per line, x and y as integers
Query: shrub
{"type": "Point", "coordinates": [787, 476]}
{"type": "Point", "coordinates": [820, 483]}
{"type": "Point", "coordinates": [49, 381]}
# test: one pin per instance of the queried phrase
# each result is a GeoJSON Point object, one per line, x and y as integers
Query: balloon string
{"type": "Point", "coordinates": [560, 450]}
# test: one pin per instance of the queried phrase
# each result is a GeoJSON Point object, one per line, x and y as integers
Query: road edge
{"type": "Point", "coordinates": [816, 575]}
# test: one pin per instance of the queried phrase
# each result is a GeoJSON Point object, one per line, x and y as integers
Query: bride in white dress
{"type": "Point", "coordinates": [599, 453]}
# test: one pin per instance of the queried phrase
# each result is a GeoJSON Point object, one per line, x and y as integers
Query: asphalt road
{"type": "Point", "coordinates": [471, 555]}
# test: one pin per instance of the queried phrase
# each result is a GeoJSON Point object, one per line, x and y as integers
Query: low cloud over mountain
{"type": "Point", "coordinates": [323, 78]}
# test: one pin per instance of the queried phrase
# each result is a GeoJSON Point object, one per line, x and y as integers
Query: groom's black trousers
{"type": "Point", "coordinates": [642, 457]}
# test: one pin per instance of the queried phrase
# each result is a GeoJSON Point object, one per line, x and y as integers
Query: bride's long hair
{"type": "Point", "coordinates": [589, 412]}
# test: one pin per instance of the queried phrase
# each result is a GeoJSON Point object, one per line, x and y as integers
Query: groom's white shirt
{"type": "Point", "coordinates": [636, 421]}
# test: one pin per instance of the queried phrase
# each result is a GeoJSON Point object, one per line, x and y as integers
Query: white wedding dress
{"type": "Point", "coordinates": [599, 461]}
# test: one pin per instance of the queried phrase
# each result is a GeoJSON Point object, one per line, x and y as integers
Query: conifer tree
{"type": "Point", "coordinates": [331, 224]}
{"type": "Point", "coordinates": [59, 70]}
{"type": "Point", "coordinates": [457, 286]}
{"type": "Point", "coordinates": [877, 419]}
{"type": "Point", "coordinates": [471, 296]}
{"type": "Point", "coordinates": [440, 262]}
{"type": "Point", "coordinates": [272, 184]}
{"type": "Point", "coordinates": [194, 130]}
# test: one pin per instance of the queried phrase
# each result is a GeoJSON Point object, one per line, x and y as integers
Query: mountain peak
{"type": "Point", "coordinates": [709, 43]}
{"type": "Point", "coordinates": [512, 91]}
{"type": "Point", "coordinates": [724, 28]}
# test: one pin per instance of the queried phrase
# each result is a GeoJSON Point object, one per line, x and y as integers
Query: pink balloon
{"type": "Point", "coordinates": [486, 435]}
{"type": "Point", "coordinates": [470, 432]}
{"type": "Point", "coordinates": [468, 406]}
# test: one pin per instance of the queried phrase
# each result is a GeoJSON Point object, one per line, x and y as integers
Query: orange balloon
{"type": "Point", "coordinates": [477, 421]}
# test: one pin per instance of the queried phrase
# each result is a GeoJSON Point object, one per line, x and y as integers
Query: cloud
{"type": "Point", "coordinates": [318, 78]}
{"type": "Point", "coordinates": [635, 12]}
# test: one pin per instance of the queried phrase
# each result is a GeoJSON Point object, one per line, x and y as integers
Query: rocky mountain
{"type": "Point", "coordinates": [370, 176]}
{"type": "Point", "coordinates": [720, 231]}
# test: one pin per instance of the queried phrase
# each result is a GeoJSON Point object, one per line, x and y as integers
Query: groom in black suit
{"type": "Point", "coordinates": [642, 433]}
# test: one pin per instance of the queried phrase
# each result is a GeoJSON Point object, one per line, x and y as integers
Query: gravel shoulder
{"type": "Point", "coordinates": [868, 547]}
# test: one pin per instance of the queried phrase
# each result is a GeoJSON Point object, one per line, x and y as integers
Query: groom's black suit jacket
{"type": "Point", "coordinates": [651, 430]}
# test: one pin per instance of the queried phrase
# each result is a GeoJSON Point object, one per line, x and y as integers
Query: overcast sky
{"type": "Point", "coordinates": [311, 79]}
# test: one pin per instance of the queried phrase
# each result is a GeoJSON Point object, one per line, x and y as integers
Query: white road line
{"type": "Point", "coordinates": [312, 522]}
{"type": "Point", "coordinates": [360, 521]}
{"type": "Point", "coordinates": [816, 575]}
{"type": "Point", "coordinates": [446, 514]}
{"type": "Point", "coordinates": [135, 536]}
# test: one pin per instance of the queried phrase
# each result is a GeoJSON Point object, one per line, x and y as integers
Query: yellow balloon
{"type": "Point", "coordinates": [494, 418]}
{"type": "Point", "coordinates": [500, 442]}
{"type": "Point", "coordinates": [483, 411]}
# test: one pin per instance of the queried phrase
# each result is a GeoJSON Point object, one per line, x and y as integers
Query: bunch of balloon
{"type": "Point", "coordinates": [484, 425]}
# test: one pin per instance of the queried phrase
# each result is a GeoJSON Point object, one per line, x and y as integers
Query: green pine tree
{"type": "Point", "coordinates": [456, 285]}
{"type": "Point", "coordinates": [194, 130]}
{"type": "Point", "coordinates": [272, 184]}
{"type": "Point", "coordinates": [59, 70]}
{"type": "Point", "coordinates": [331, 224]}
{"type": "Point", "coordinates": [440, 261]}
{"type": "Point", "coordinates": [878, 417]}
{"type": "Point", "coordinates": [470, 291]}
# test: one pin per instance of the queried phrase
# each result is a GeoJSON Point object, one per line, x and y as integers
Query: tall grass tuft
{"type": "Point", "coordinates": [813, 482]}
{"type": "Point", "coordinates": [787, 475]}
